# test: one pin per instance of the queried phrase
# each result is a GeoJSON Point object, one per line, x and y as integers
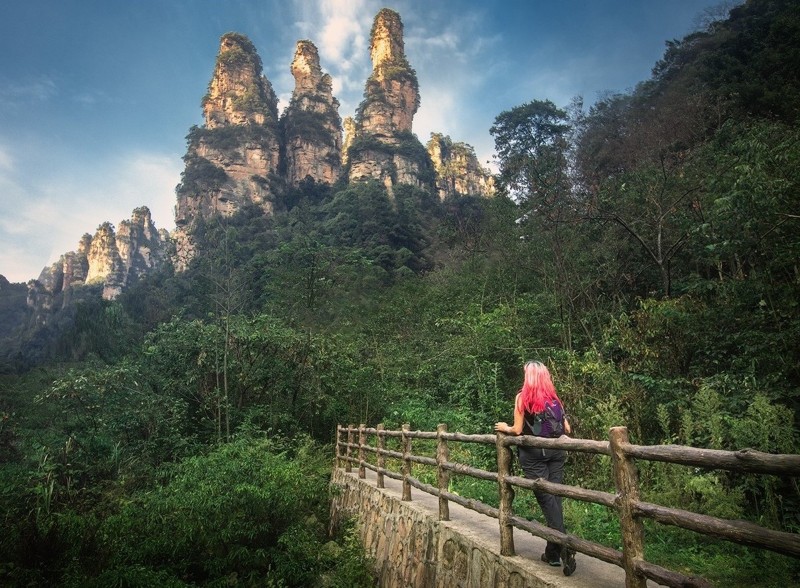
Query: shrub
{"type": "Point", "coordinates": [251, 510]}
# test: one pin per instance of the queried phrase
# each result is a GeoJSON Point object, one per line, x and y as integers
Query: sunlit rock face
{"type": "Point", "coordinates": [392, 92]}
{"type": "Point", "coordinates": [382, 145]}
{"type": "Point", "coordinates": [312, 125]}
{"type": "Point", "coordinates": [105, 263]}
{"type": "Point", "coordinates": [142, 248]}
{"type": "Point", "coordinates": [238, 93]}
{"type": "Point", "coordinates": [458, 171]}
{"type": "Point", "coordinates": [111, 259]}
{"type": "Point", "coordinates": [244, 155]}
{"type": "Point", "coordinates": [349, 125]}
{"type": "Point", "coordinates": [232, 160]}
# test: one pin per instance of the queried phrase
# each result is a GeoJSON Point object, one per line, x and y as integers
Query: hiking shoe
{"type": "Point", "coordinates": [568, 555]}
{"type": "Point", "coordinates": [555, 562]}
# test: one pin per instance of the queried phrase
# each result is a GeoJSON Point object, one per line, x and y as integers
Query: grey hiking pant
{"type": "Point", "coordinates": [547, 464]}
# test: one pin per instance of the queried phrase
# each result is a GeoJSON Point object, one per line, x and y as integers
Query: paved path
{"type": "Point", "coordinates": [590, 573]}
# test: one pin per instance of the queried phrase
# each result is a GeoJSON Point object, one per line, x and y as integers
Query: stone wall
{"type": "Point", "coordinates": [412, 548]}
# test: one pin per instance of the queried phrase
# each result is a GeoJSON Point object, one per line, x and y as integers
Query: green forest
{"type": "Point", "coordinates": [645, 247]}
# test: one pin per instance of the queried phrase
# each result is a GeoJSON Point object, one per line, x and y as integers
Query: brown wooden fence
{"type": "Point", "coordinates": [352, 446]}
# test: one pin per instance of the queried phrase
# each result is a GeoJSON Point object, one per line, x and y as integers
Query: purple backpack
{"type": "Point", "coordinates": [549, 422]}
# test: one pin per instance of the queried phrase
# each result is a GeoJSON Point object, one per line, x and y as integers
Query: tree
{"type": "Point", "coordinates": [531, 144]}
{"type": "Point", "coordinates": [534, 146]}
{"type": "Point", "coordinates": [634, 159]}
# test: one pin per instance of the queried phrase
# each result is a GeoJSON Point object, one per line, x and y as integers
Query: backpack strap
{"type": "Point", "coordinates": [536, 427]}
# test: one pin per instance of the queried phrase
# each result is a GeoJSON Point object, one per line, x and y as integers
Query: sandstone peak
{"type": "Point", "coordinates": [386, 39]}
{"type": "Point", "coordinates": [383, 146]}
{"type": "Point", "coordinates": [104, 258]}
{"type": "Point", "coordinates": [238, 93]}
{"type": "Point", "coordinates": [310, 83]}
{"type": "Point", "coordinates": [312, 125]}
{"type": "Point", "coordinates": [84, 244]}
{"type": "Point", "coordinates": [391, 96]}
{"type": "Point", "coordinates": [230, 160]}
{"type": "Point", "coordinates": [109, 258]}
{"type": "Point", "coordinates": [458, 171]}
{"type": "Point", "coordinates": [305, 67]}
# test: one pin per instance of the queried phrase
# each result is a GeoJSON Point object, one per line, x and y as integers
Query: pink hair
{"type": "Point", "coordinates": [537, 388]}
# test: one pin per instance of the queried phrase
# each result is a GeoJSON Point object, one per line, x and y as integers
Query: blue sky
{"type": "Point", "coordinates": [97, 96]}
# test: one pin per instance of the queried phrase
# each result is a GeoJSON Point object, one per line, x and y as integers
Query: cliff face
{"type": "Point", "coordinates": [458, 171]}
{"type": "Point", "coordinates": [244, 154]}
{"type": "Point", "coordinates": [230, 160]}
{"type": "Point", "coordinates": [383, 146]}
{"type": "Point", "coordinates": [105, 263]}
{"type": "Point", "coordinates": [392, 92]}
{"type": "Point", "coordinates": [110, 258]}
{"type": "Point", "coordinates": [238, 93]}
{"type": "Point", "coordinates": [312, 125]}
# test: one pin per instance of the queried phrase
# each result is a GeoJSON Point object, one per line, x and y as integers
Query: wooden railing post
{"type": "Point", "coordinates": [506, 491]}
{"type": "Point", "coordinates": [362, 439]}
{"type": "Point", "coordinates": [381, 458]}
{"type": "Point", "coordinates": [348, 466]}
{"type": "Point", "coordinates": [338, 458]}
{"type": "Point", "coordinates": [442, 475]}
{"type": "Point", "coordinates": [406, 462]}
{"type": "Point", "coordinates": [627, 483]}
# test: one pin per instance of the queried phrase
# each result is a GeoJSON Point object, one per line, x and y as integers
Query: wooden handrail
{"type": "Point", "coordinates": [625, 502]}
{"type": "Point", "coordinates": [744, 460]}
{"type": "Point", "coordinates": [582, 494]}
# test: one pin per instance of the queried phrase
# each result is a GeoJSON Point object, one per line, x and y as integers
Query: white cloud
{"type": "Point", "coordinates": [339, 36]}
{"type": "Point", "coordinates": [340, 30]}
{"type": "Point", "coordinates": [6, 162]}
{"type": "Point", "coordinates": [14, 92]}
{"type": "Point", "coordinates": [338, 27]}
{"type": "Point", "coordinates": [41, 222]}
{"type": "Point", "coordinates": [90, 98]}
{"type": "Point", "coordinates": [450, 56]}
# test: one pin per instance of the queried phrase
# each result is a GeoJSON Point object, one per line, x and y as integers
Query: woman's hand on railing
{"type": "Point", "coordinates": [502, 427]}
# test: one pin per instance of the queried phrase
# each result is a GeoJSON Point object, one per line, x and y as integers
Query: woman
{"type": "Point", "coordinates": [538, 411]}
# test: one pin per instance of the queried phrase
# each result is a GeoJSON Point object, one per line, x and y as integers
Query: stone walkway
{"type": "Point", "coordinates": [590, 573]}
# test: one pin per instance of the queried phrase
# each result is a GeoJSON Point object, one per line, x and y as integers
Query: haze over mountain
{"type": "Point", "coordinates": [97, 97]}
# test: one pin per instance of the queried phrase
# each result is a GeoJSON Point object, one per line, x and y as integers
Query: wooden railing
{"type": "Point", "coordinates": [625, 502]}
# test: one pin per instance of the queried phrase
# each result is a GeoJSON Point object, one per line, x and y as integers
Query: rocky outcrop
{"type": "Point", "coordinates": [142, 248]}
{"type": "Point", "coordinates": [238, 93]}
{"type": "Point", "coordinates": [231, 160]}
{"type": "Point", "coordinates": [109, 259]}
{"type": "Point", "coordinates": [383, 146]}
{"type": "Point", "coordinates": [105, 262]}
{"type": "Point", "coordinates": [458, 171]}
{"type": "Point", "coordinates": [244, 155]}
{"type": "Point", "coordinates": [392, 92]}
{"type": "Point", "coordinates": [312, 125]}
{"type": "Point", "coordinates": [349, 125]}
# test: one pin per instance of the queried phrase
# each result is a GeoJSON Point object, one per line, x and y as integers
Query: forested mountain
{"type": "Point", "coordinates": [248, 155]}
{"type": "Point", "coordinates": [646, 248]}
